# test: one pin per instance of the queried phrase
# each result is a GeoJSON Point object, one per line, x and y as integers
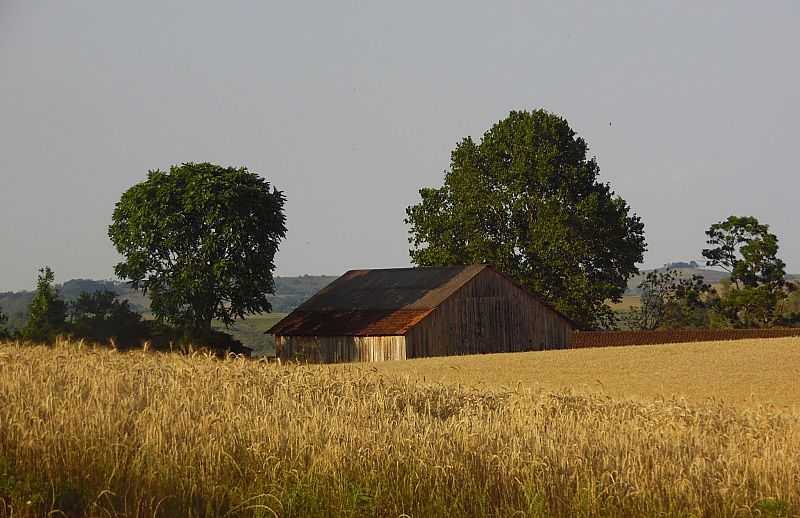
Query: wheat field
{"type": "Point", "coordinates": [95, 432]}
{"type": "Point", "coordinates": [745, 373]}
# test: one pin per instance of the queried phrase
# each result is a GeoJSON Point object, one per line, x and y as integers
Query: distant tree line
{"type": "Point", "coordinates": [99, 317]}
{"type": "Point", "coordinates": [290, 292]}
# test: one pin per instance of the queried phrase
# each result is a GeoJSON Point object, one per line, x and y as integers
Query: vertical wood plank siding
{"type": "Point", "coordinates": [340, 349]}
{"type": "Point", "coordinates": [488, 315]}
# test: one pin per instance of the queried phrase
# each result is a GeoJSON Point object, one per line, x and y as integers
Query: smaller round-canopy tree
{"type": "Point", "coordinates": [746, 249]}
{"type": "Point", "coordinates": [201, 240]}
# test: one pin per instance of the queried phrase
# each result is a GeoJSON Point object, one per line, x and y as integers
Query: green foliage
{"type": "Point", "coordinates": [71, 290]}
{"type": "Point", "coordinates": [20, 487]}
{"type": "Point", "coordinates": [527, 200]}
{"type": "Point", "coordinates": [789, 308]}
{"type": "Point", "coordinates": [47, 312]}
{"type": "Point", "coordinates": [772, 508]}
{"type": "Point", "coordinates": [252, 332]}
{"type": "Point", "coordinates": [672, 301]}
{"type": "Point", "coordinates": [4, 332]}
{"type": "Point", "coordinates": [15, 304]}
{"type": "Point", "coordinates": [748, 251]}
{"type": "Point", "coordinates": [101, 317]}
{"type": "Point", "coordinates": [200, 240]}
{"type": "Point", "coordinates": [290, 292]}
{"type": "Point", "coordinates": [164, 337]}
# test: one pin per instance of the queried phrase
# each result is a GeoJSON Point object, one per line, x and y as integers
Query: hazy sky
{"type": "Point", "coordinates": [351, 107]}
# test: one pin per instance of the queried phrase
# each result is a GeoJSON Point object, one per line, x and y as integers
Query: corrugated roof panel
{"type": "Point", "coordinates": [375, 302]}
{"type": "Point", "coordinates": [349, 323]}
{"type": "Point", "coordinates": [394, 288]}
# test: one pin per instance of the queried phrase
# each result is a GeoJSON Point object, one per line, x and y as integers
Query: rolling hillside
{"type": "Point", "coordinates": [683, 269]}
{"type": "Point", "coordinates": [290, 292]}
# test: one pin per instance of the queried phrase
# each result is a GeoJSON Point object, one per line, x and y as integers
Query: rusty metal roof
{"type": "Point", "coordinates": [349, 323]}
{"type": "Point", "coordinates": [375, 302]}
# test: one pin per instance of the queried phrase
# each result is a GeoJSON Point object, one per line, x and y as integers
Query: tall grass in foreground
{"type": "Point", "coordinates": [96, 432]}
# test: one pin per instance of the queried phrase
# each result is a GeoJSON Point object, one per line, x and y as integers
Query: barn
{"type": "Point", "coordinates": [399, 313]}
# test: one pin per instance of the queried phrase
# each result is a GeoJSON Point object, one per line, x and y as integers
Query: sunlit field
{"type": "Point", "coordinates": [741, 372]}
{"type": "Point", "coordinates": [627, 302]}
{"type": "Point", "coordinates": [102, 433]}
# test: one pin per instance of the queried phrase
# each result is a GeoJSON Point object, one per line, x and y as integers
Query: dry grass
{"type": "Point", "coordinates": [103, 433]}
{"type": "Point", "coordinates": [741, 372]}
{"type": "Point", "coordinates": [627, 302]}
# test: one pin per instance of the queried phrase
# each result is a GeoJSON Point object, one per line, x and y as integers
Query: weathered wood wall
{"type": "Point", "coordinates": [489, 314]}
{"type": "Point", "coordinates": [336, 349]}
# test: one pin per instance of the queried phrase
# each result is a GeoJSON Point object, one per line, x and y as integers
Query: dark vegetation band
{"type": "Point", "coordinates": [586, 339]}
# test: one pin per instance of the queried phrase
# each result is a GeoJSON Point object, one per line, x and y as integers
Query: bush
{"type": "Point", "coordinates": [101, 317]}
{"type": "Point", "coordinates": [4, 332]}
{"type": "Point", "coordinates": [162, 337]}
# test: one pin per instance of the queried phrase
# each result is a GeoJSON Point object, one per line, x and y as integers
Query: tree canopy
{"type": "Point", "coordinates": [201, 241]}
{"type": "Point", "coordinates": [47, 312]}
{"type": "Point", "coordinates": [528, 200]}
{"type": "Point", "coordinates": [745, 248]}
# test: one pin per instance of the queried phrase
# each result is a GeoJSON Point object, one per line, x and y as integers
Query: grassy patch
{"type": "Point", "coordinates": [251, 332]}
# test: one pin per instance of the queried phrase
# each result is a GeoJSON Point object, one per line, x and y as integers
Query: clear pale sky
{"type": "Point", "coordinates": [351, 107]}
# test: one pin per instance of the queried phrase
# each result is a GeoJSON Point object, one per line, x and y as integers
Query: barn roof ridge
{"type": "Point", "coordinates": [382, 301]}
{"type": "Point", "coordinates": [392, 288]}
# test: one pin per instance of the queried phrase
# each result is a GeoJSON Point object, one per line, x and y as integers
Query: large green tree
{"type": "Point", "coordinates": [201, 240]}
{"type": "Point", "coordinates": [47, 312]}
{"type": "Point", "coordinates": [528, 200]}
{"type": "Point", "coordinates": [746, 249]}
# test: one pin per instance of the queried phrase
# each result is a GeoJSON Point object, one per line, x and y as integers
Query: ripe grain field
{"type": "Point", "coordinates": [101, 433]}
{"type": "Point", "coordinates": [741, 372]}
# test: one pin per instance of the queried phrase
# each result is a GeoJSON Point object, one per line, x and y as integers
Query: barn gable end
{"type": "Point", "coordinates": [490, 314]}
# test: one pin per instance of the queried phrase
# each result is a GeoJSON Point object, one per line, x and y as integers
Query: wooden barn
{"type": "Point", "coordinates": [399, 313]}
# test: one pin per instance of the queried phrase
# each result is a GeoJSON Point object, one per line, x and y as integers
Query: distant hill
{"type": "Point", "coordinates": [687, 270]}
{"type": "Point", "coordinates": [290, 292]}
{"type": "Point", "coordinates": [684, 269]}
